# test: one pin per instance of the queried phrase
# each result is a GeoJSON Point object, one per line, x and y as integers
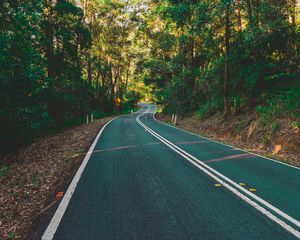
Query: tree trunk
{"type": "Point", "coordinates": [102, 98]}
{"type": "Point", "coordinates": [55, 107]}
{"type": "Point", "coordinates": [85, 8]}
{"type": "Point", "coordinates": [238, 14]}
{"type": "Point", "coordinates": [49, 32]}
{"type": "Point", "coordinates": [250, 12]}
{"type": "Point", "coordinates": [240, 39]}
{"type": "Point", "coordinates": [89, 69]}
{"type": "Point", "coordinates": [114, 80]}
{"type": "Point", "coordinates": [97, 82]}
{"type": "Point", "coordinates": [292, 5]}
{"type": "Point", "coordinates": [226, 73]}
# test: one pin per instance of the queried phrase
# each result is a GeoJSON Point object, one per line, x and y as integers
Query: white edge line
{"type": "Point", "coordinates": [235, 191]}
{"type": "Point", "coordinates": [211, 140]}
{"type": "Point", "coordinates": [262, 201]}
{"type": "Point", "coordinates": [53, 225]}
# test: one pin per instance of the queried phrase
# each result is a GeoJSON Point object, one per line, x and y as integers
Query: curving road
{"type": "Point", "coordinates": [143, 179]}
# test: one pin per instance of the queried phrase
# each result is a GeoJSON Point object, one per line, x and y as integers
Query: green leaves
{"type": "Point", "coordinates": [180, 13]}
{"type": "Point", "coordinates": [27, 33]}
{"type": "Point", "coordinates": [261, 60]}
{"type": "Point", "coordinates": [183, 51]}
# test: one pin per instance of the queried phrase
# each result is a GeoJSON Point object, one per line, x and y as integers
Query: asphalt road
{"type": "Point", "coordinates": [147, 180]}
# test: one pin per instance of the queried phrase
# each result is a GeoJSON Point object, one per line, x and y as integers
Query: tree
{"type": "Point", "coordinates": [227, 56]}
{"type": "Point", "coordinates": [41, 81]}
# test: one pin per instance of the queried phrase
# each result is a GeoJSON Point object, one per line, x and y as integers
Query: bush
{"type": "Point", "coordinates": [279, 105]}
{"type": "Point", "coordinates": [205, 110]}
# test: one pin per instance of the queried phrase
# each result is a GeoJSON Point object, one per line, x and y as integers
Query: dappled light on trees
{"type": "Point", "coordinates": [61, 60]}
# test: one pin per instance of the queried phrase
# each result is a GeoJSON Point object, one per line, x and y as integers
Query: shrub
{"type": "Point", "coordinates": [279, 105]}
{"type": "Point", "coordinates": [205, 110]}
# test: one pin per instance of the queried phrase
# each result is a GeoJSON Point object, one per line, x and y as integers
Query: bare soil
{"type": "Point", "coordinates": [31, 177]}
{"type": "Point", "coordinates": [280, 141]}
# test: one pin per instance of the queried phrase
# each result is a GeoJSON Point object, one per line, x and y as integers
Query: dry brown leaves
{"type": "Point", "coordinates": [30, 177]}
{"type": "Point", "coordinates": [244, 132]}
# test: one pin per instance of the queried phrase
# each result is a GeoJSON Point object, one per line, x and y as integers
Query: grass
{"type": "Point", "coordinates": [296, 124]}
{"type": "Point", "coordinates": [266, 140]}
{"type": "Point", "coordinates": [26, 195]}
{"type": "Point", "coordinates": [11, 235]}
{"type": "Point", "coordinates": [273, 126]}
{"type": "Point", "coordinates": [4, 171]}
{"type": "Point", "coordinates": [34, 181]}
{"type": "Point", "coordinates": [14, 194]}
{"type": "Point", "coordinates": [238, 127]}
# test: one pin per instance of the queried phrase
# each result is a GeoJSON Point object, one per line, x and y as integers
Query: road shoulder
{"type": "Point", "coordinates": [31, 178]}
{"type": "Point", "coordinates": [281, 145]}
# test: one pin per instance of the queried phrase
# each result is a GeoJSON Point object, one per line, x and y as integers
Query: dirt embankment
{"type": "Point", "coordinates": [30, 178]}
{"type": "Point", "coordinates": [280, 140]}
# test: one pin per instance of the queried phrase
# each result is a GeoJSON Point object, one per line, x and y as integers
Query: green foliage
{"type": "Point", "coordinates": [57, 64]}
{"type": "Point", "coordinates": [273, 126]}
{"type": "Point", "coordinates": [98, 114]}
{"type": "Point", "coordinates": [26, 196]}
{"type": "Point", "coordinates": [132, 98]}
{"type": "Point", "coordinates": [296, 124]}
{"type": "Point", "coordinates": [205, 110]}
{"type": "Point", "coordinates": [238, 127]}
{"type": "Point", "coordinates": [282, 104]}
{"type": "Point", "coordinates": [41, 85]}
{"type": "Point", "coordinates": [34, 181]}
{"type": "Point", "coordinates": [22, 72]}
{"type": "Point", "coordinates": [261, 58]}
{"type": "Point", "coordinates": [14, 194]}
{"type": "Point", "coordinates": [266, 140]}
{"type": "Point", "coordinates": [11, 236]}
{"type": "Point", "coordinates": [4, 171]}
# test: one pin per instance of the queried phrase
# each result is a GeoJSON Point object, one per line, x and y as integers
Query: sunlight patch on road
{"type": "Point", "coordinates": [231, 157]}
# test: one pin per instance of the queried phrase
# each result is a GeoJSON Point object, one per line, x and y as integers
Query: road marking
{"type": "Point", "coordinates": [125, 147]}
{"type": "Point", "coordinates": [211, 140]}
{"type": "Point", "coordinates": [218, 177]}
{"type": "Point", "coordinates": [53, 225]}
{"type": "Point", "coordinates": [191, 142]}
{"type": "Point", "coordinates": [231, 157]}
{"type": "Point", "coordinates": [265, 203]}
{"type": "Point", "coordinates": [294, 221]}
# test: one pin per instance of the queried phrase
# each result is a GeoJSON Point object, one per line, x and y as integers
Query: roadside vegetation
{"type": "Point", "coordinates": [232, 64]}
{"type": "Point", "coordinates": [61, 60]}
{"type": "Point", "coordinates": [31, 178]}
{"type": "Point", "coordinates": [279, 140]}
{"type": "Point", "coordinates": [228, 62]}
{"type": "Point", "coordinates": [227, 57]}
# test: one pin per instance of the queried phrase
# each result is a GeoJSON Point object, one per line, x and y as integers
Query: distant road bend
{"type": "Point", "coordinates": [143, 179]}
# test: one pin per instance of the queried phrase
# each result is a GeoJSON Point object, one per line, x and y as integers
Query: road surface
{"type": "Point", "coordinates": [143, 179]}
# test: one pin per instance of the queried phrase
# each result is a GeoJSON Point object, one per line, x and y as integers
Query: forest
{"type": "Point", "coordinates": [61, 60]}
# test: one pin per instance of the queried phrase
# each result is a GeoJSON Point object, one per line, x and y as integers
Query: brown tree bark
{"type": "Point", "coordinates": [238, 14]}
{"type": "Point", "coordinates": [102, 97]}
{"type": "Point", "coordinates": [226, 73]}
{"type": "Point", "coordinates": [57, 113]}
{"type": "Point", "coordinates": [115, 74]}
{"type": "Point", "coordinates": [89, 69]}
{"type": "Point", "coordinates": [49, 33]}
{"type": "Point", "coordinates": [249, 11]}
